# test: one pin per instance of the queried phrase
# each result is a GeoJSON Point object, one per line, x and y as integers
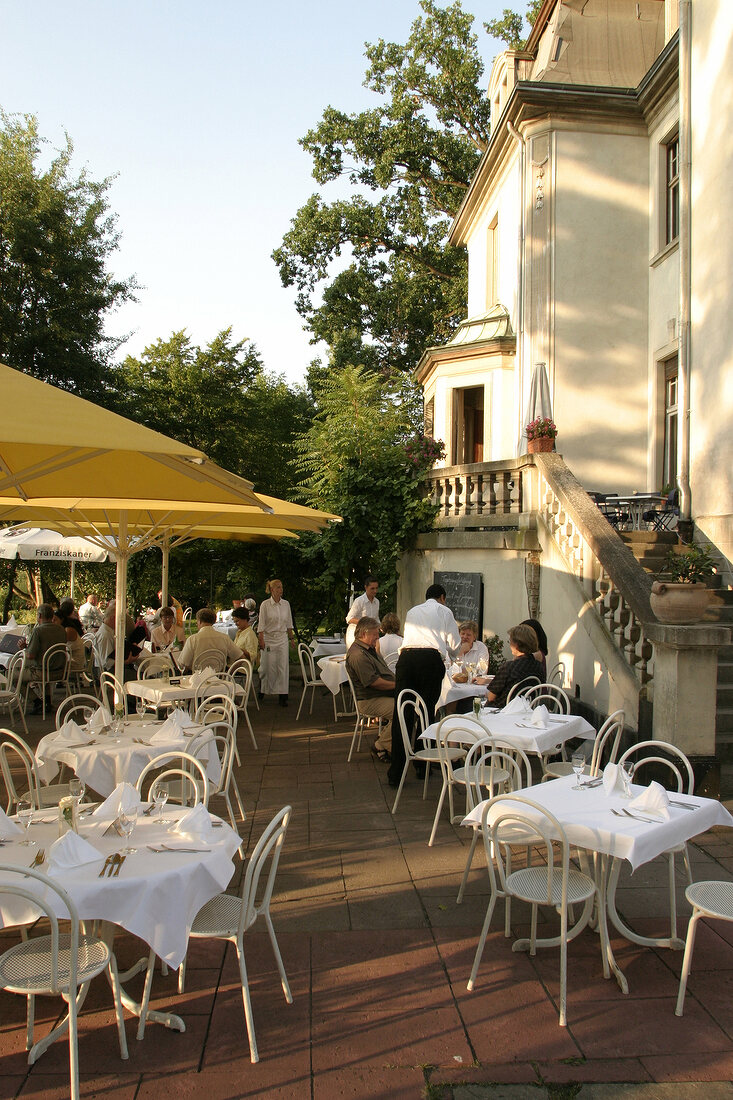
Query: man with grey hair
{"type": "Point", "coordinates": [47, 633]}
{"type": "Point", "coordinates": [373, 682]}
{"type": "Point", "coordinates": [208, 638]}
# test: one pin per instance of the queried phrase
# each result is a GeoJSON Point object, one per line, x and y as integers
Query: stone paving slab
{"type": "Point", "coordinates": [378, 955]}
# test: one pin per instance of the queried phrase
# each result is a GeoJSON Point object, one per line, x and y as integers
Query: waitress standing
{"type": "Point", "coordinates": [275, 629]}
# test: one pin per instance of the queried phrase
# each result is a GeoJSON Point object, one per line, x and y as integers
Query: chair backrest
{"type": "Point", "coordinates": [222, 739]}
{"type": "Point", "coordinates": [391, 660]}
{"type": "Point", "coordinates": [608, 739]}
{"type": "Point", "coordinates": [15, 669]}
{"type": "Point", "coordinates": [112, 692]}
{"type": "Point", "coordinates": [216, 707]}
{"type": "Point", "coordinates": [55, 905]}
{"type": "Point", "coordinates": [78, 707]}
{"type": "Point", "coordinates": [540, 828]}
{"type": "Point", "coordinates": [158, 664]}
{"type": "Point", "coordinates": [672, 761]}
{"type": "Point", "coordinates": [552, 696]}
{"type": "Point", "coordinates": [486, 766]}
{"type": "Point", "coordinates": [187, 614]}
{"type": "Point", "coordinates": [412, 714]}
{"type": "Point", "coordinates": [307, 664]}
{"type": "Point", "coordinates": [522, 687]}
{"type": "Point", "coordinates": [17, 755]}
{"type": "Point", "coordinates": [185, 769]}
{"type": "Point", "coordinates": [557, 674]}
{"type": "Point", "coordinates": [212, 686]}
{"type": "Point", "coordinates": [354, 700]}
{"type": "Point", "coordinates": [242, 668]}
{"type": "Point", "coordinates": [453, 731]}
{"type": "Point", "coordinates": [55, 663]}
{"type": "Point", "coordinates": [269, 847]}
{"type": "Point", "coordinates": [210, 658]}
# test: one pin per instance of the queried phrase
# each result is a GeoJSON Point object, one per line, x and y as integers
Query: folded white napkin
{"type": "Point", "coordinates": [654, 801]}
{"type": "Point", "coordinates": [198, 678]}
{"type": "Point", "coordinates": [517, 705]}
{"type": "Point", "coordinates": [72, 733]}
{"type": "Point", "coordinates": [69, 851]}
{"type": "Point", "coordinates": [8, 828]}
{"type": "Point", "coordinates": [539, 717]}
{"type": "Point", "coordinates": [169, 733]}
{"type": "Point", "coordinates": [181, 718]}
{"type": "Point", "coordinates": [99, 720]}
{"type": "Point", "coordinates": [613, 780]}
{"type": "Point", "coordinates": [196, 823]}
{"type": "Point", "coordinates": [123, 797]}
{"type": "Point", "coordinates": [11, 624]}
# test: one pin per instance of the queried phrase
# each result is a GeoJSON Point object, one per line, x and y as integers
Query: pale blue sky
{"type": "Point", "coordinates": [198, 108]}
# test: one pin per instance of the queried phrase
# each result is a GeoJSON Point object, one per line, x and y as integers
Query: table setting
{"type": "Point", "coordinates": [534, 731]}
{"type": "Point", "coordinates": [108, 751]}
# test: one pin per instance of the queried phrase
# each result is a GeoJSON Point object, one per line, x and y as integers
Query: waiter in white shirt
{"type": "Point", "coordinates": [365, 606]}
{"type": "Point", "coordinates": [430, 632]}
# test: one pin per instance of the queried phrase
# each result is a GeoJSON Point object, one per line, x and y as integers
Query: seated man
{"type": "Point", "coordinates": [165, 635]}
{"type": "Point", "coordinates": [89, 613]}
{"type": "Point", "coordinates": [373, 682]}
{"type": "Point", "coordinates": [207, 638]}
{"type": "Point", "coordinates": [46, 634]}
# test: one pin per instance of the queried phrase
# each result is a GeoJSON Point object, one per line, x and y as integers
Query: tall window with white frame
{"type": "Point", "coordinates": [672, 188]}
{"type": "Point", "coordinates": [670, 422]}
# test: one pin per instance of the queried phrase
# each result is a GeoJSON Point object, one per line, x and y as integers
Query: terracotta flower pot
{"type": "Point", "coordinates": [542, 444]}
{"type": "Point", "coordinates": [679, 603]}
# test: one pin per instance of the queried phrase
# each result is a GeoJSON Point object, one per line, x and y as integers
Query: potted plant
{"type": "Point", "coordinates": [681, 594]}
{"type": "Point", "coordinates": [541, 434]}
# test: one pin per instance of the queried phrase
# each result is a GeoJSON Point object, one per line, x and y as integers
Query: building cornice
{"type": "Point", "coordinates": [451, 353]}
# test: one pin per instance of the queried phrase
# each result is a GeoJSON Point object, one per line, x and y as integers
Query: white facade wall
{"type": "Point", "coordinates": [504, 209]}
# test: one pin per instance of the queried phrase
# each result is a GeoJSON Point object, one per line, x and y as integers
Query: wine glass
{"type": "Point", "coordinates": [128, 821]}
{"type": "Point", "coordinates": [77, 787]}
{"type": "Point", "coordinates": [25, 816]}
{"type": "Point", "coordinates": [578, 763]}
{"type": "Point", "coordinates": [160, 797]}
{"type": "Point", "coordinates": [627, 774]}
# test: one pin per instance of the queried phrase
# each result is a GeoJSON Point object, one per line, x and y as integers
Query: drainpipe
{"type": "Point", "coordinates": [683, 429]}
{"type": "Point", "coordinates": [520, 272]}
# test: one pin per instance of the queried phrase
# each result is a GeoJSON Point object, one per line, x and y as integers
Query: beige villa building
{"type": "Point", "coordinates": [599, 232]}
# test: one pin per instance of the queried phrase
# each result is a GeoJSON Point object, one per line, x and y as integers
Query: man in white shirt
{"type": "Point", "coordinates": [430, 633]}
{"type": "Point", "coordinates": [365, 606]}
{"type": "Point", "coordinates": [89, 613]}
{"type": "Point", "coordinates": [208, 638]}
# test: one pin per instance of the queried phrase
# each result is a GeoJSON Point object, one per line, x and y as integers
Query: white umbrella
{"type": "Point", "coordinates": [38, 544]}
{"type": "Point", "coordinates": [538, 404]}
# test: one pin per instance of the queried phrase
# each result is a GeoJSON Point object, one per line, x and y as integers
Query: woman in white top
{"type": "Point", "coordinates": [471, 650]}
{"type": "Point", "coordinates": [365, 605]}
{"type": "Point", "coordinates": [275, 629]}
{"type": "Point", "coordinates": [391, 640]}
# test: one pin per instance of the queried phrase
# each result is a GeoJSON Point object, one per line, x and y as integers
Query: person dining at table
{"type": "Point", "coordinates": [373, 683]}
{"type": "Point", "coordinates": [90, 614]}
{"type": "Point", "coordinates": [390, 638]}
{"type": "Point", "coordinates": [541, 653]}
{"type": "Point", "coordinates": [472, 649]}
{"type": "Point", "coordinates": [206, 637]}
{"type": "Point", "coordinates": [245, 637]}
{"type": "Point", "coordinates": [68, 618]}
{"type": "Point", "coordinates": [168, 633]}
{"type": "Point", "coordinates": [523, 644]}
{"type": "Point", "coordinates": [275, 631]}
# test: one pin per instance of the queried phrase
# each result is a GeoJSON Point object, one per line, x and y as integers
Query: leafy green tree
{"type": "Point", "coordinates": [218, 399]}
{"type": "Point", "coordinates": [510, 29]}
{"type": "Point", "coordinates": [362, 458]}
{"type": "Point", "coordinates": [373, 275]}
{"type": "Point", "coordinates": [56, 236]}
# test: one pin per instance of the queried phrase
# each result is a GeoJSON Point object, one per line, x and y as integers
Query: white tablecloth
{"type": "Point", "coordinates": [105, 764]}
{"type": "Point", "coordinates": [333, 672]}
{"type": "Point", "coordinates": [451, 692]}
{"type": "Point", "coordinates": [588, 822]}
{"type": "Point", "coordinates": [229, 627]}
{"type": "Point", "coordinates": [155, 897]}
{"type": "Point", "coordinates": [516, 731]}
{"type": "Point", "coordinates": [160, 692]}
{"type": "Point", "coordinates": [327, 647]}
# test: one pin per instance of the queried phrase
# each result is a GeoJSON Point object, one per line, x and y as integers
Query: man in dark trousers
{"type": "Point", "coordinates": [430, 632]}
{"type": "Point", "coordinates": [373, 682]}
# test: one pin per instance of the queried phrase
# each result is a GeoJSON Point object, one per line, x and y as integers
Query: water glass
{"type": "Point", "coordinates": [77, 788]}
{"type": "Point", "coordinates": [25, 816]}
{"type": "Point", "coordinates": [578, 763]}
{"type": "Point", "coordinates": [160, 797]}
{"type": "Point", "coordinates": [627, 774]}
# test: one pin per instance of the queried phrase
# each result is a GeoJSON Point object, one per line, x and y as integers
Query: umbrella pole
{"type": "Point", "coordinates": [166, 548]}
{"type": "Point", "coordinates": [123, 552]}
{"type": "Point", "coordinates": [73, 578]}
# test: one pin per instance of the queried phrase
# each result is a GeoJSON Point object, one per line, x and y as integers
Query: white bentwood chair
{"type": "Point", "coordinates": [556, 885]}
{"type": "Point", "coordinates": [308, 672]}
{"type": "Point", "coordinates": [522, 687]}
{"type": "Point", "coordinates": [605, 750]}
{"type": "Point", "coordinates": [58, 964]}
{"type": "Point", "coordinates": [227, 917]}
{"type": "Point", "coordinates": [710, 898]}
{"type": "Point", "coordinates": [362, 720]}
{"type": "Point", "coordinates": [412, 705]}
{"type": "Point", "coordinates": [55, 665]}
{"type": "Point", "coordinates": [10, 695]}
{"type": "Point", "coordinates": [17, 758]}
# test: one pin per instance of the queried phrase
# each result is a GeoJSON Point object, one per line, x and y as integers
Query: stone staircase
{"type": "Point", "coordinates": [650, 548]}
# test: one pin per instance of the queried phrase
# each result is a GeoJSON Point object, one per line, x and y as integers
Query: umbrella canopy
{"type": "Point", "coordinates": [539, 403]}
{"type": "Point", "coordinates": [37, 544]}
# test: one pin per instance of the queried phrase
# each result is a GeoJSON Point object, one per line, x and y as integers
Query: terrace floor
{"type": "Point", "coordinates": [378, 955]}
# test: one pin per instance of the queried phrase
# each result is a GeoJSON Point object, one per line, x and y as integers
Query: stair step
{"type": "Point", "coordinates": [724, 721]}
{"type": "Point", "coordinates": [651, 538]}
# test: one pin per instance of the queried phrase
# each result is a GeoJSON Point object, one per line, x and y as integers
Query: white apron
{"type": "Point", "coordinates": [274, 622]}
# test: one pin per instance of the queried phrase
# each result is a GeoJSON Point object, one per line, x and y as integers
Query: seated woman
{"type": "Point", "coordinates": [390, 640]}
{"type": "Point", "coordinates": [471, 650]}
{"type": "Point", "coordinates": [66, 615]}
{"type": "Point", "coordinates": [541, 654]}
{"type": "Point", "coordinates": [523, 644]}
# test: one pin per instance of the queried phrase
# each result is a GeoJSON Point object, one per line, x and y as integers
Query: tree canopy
{"type": "Point", "coordinates": [56, 237]}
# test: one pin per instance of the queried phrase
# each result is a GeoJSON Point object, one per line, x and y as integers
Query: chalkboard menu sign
{"type": "Point", "coordinates": [464, 595]}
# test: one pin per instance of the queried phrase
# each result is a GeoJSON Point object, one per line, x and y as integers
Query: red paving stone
{"type": "Point", "coordinates": [378, 956]}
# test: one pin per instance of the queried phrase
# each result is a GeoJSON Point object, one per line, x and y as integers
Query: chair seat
{"type": "Point", "coordinates": [558, 768]}
{"type": "Point", "coordinates": [500, 775]}
{"type": "Point", "coordinates": [714, 898]}
{"type": "Point", "coordinates": [432, 756]}
{"type": "Point", "coordinates": [26, 968]}
{"type": "Point", "coordinates": [530, 884]}
{"type": "Point", "coordinates": [219, 917]}
{"type": "Point", "coordinates": [52, 795]}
